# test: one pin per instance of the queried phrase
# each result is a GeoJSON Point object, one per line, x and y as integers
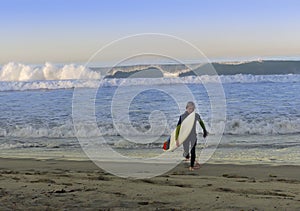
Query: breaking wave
{"type": "Point", "coordinates": [20, 77]}
{"type": "Point", "coordinates": [233, 127]}
{"type": "Point", "coordinates": [22, 72]}
{"type": "Point", "coordinates": [69, 84]}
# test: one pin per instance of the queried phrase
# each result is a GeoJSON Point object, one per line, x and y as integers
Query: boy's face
{"type": "Point", "coordinates": [190, 109]}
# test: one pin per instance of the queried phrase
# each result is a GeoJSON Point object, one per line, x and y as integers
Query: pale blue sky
{"type": "Point", "coordinates": [71, 31]}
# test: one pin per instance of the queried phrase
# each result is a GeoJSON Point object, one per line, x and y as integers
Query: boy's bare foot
{"type": "Point", "coordinates": [197, 165]}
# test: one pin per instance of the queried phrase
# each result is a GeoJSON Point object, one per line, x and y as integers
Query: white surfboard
{"type": "Point", "coordinates": [185, 130]}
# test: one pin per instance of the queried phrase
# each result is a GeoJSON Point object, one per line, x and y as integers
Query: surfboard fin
{"type": "Point", "coordinates": [166, 145]}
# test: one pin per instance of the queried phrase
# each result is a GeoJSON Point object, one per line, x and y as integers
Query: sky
{"type": "Point", "coordinates": [67, 31]}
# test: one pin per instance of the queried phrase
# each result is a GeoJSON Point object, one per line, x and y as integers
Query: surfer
{"type": "Point", "coordinates": [192, 138]}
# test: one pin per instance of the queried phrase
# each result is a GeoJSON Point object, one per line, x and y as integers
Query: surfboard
{"type": "Point", "coordinates": [185, 130]}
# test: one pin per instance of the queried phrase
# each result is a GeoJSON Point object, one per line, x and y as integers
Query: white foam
{"type": "Point", "coordinates": [36, 85]}
{"type": "Point", "coordinates": [68, 84]}
{"type": "Point", "coordinates": [233, 127]}
{"type": "Point", "coordinates": [22, 72]}
{"type": "Point", "coordinates": [274, 126]}
{"type": "Point", "coordinates": [20, 77]}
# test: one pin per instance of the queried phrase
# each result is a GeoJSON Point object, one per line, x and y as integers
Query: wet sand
{"type": "Point", "coordinates": [28, 184]}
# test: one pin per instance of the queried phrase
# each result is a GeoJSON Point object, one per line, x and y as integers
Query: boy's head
{"type": "Point", "coordinates": [190, 107]}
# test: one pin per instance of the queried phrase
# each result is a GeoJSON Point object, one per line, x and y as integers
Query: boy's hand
{"type": "Point", "coordinates": [205, 133]}
{"type": "Point", "coordinates": [177, 143]}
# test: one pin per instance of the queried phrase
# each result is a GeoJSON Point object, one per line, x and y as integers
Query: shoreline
{"type": "Point", "coordinates": [84, 158]}
{"type": "Point", "coordinates": [52, 184]}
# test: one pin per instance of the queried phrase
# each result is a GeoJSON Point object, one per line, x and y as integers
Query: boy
{"type": "Point", "coordinates": [192, 138]}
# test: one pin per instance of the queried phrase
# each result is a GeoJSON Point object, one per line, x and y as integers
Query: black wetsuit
{"type": "Point", "coordinates": [192, 138]}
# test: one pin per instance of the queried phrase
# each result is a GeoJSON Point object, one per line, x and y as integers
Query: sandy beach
{"type": "Point", "coordinates": [27, 184]}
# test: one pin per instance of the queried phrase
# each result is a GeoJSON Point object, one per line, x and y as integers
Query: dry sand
{"type": "Point", "coordinates": [27, 184]}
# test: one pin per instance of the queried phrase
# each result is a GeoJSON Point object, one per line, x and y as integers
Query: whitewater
{"type": "Point", "coordinates": [21, 77]}
{"type": "Point", "coordinates": [262, 126]}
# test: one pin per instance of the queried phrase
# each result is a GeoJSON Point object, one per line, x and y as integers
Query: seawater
{"type": "Point", "coordinates": [262, 117]}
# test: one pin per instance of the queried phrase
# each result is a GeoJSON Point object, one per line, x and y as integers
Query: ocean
{"type": "Point", "coordinates": [262, 114]}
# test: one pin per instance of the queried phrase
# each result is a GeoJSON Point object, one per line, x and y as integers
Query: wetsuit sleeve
{"type": "Point", "coordinates": [203, 126]}
{"type": "Point", "coordinates": [178, 128]}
